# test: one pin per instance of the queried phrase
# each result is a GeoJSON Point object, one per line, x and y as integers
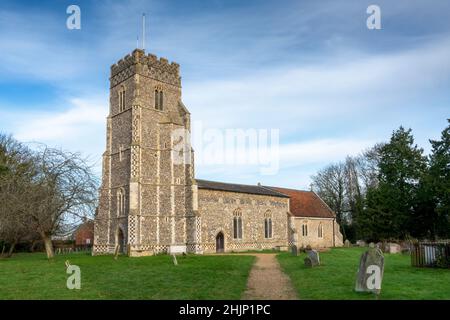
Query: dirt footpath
{"type": "Point", "coordinates": [267, 281]}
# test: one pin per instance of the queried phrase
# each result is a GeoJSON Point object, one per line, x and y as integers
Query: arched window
{"type": "Point", "coordinates": [156, 100]}
{"type": "Point", "coordinates": [159, 99]}
{"type": "Point", "coordinates": [320, 231]}
{"type": "Point", "coordinates": [305, 229]}
{"type": "Point", "coordinates": [237, 224]}
{"type": "Point", "coordinates": [120, 202]}
{"type": "Point", "coordinates": [268, 228]}
{"type": "Point", "coordinates": [268, 225]}
{"type": "Point", "coordinates": [122, 99]}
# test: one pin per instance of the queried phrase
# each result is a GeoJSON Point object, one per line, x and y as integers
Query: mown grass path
{"type": "Point", "coordinates": [267, 281]}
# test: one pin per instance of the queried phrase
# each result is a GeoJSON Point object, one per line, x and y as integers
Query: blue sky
{"type": "Point", "coordinates": [308, 68]}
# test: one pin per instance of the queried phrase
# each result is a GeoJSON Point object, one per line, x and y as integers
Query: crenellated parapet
{"type": "Point", "coordinates": [147, 65]}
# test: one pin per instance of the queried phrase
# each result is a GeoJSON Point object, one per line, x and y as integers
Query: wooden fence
{"type": "Point", "coordinates": [431, 254]}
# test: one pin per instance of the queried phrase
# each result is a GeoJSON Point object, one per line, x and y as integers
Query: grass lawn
{"type": "Point", "coordinates": [32, 276]}
{"type": "Point", "coordinates": [335, 278]}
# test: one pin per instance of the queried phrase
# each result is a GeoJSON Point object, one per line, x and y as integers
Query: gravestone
{"type": "Point", "coordinates": [394, 248]}
{"type": "Point", "coordinates": [312, 258]}
{"type": "Point", "coordinates": [294, 250]}
{"type": "Point", "coordinates": [370, 271]}
{"type": "Point", "coordinates": [347, 243]}
{"type": "Point", "coordinates": [308, 262]}
{"type": "Point", "coordinates": [361, 243]}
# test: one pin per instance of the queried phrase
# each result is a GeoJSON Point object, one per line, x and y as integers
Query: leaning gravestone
{"type": "Point", "coordinates": [370, 272]}
{"type": "Point", "coordinates": [312, 258]}
{"type": "Point", "coordinates": [294, 250]}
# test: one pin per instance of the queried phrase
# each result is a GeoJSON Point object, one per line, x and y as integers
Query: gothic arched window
{"type": "Point", "coordinates": [268, 225]}
{"type": "Point", "coordinates": [237, 224]}
{"type": "Point", "coordinates": [320, 231]}
{"type": "Point", "coordinates": [268, 228]}
{"type": "Point", "coordinates": [305, 229]}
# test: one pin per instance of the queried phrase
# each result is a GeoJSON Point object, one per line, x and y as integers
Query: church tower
{"type": "Point", "coordinates": [147, 194]}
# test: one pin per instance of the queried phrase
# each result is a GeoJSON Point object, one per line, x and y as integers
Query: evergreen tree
{"type": "Point", "coordinates": [389, 211]}
{"type": "Point", "coordinates": [437, 186]}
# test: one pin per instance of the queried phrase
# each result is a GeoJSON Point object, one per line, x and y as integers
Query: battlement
{"type": "Point", "coordinates": [138, 57]}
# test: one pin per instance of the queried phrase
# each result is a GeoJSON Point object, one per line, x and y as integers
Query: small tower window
{"type": "Point", "coordinates": [156, 100]}
{"type": "Point", "coordinates": [120, 202]}
{"type": "Point", "coordinates": [159, 99]}
{"type": "Point", "coordinates": [122, 99]}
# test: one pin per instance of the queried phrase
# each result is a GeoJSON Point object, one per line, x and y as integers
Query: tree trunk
{"type": "Point", "coordinates": [48, 246]}
{"type": "Point", "coordinates": [3, 250]}
{"type": "Point", "coordinates": [11, 249]}
{"type": "Point", "coordinates": [33, 245]}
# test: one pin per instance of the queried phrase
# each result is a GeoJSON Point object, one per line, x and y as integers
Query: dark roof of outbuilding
{"type": "Point", "coordinates": [241, 188]}
{"type": "Point", "coordinates": [306, 203]}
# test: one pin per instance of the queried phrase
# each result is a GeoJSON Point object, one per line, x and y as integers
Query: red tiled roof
{"type": "Point", "coordinates": [306, 203]}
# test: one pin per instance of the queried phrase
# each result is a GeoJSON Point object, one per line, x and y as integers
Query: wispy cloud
{"type": "Point", "coordinates": [310, 69]}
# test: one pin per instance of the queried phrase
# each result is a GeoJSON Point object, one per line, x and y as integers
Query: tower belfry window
{"type": "Point", "coordinates": [159, 99]}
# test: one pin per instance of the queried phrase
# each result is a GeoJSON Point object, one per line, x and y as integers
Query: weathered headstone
{"type": "Point", "coordinates": [370, 272]}
{"type": "Point", "coordinates": [347, 243]}
{"type": "Point", "coordinates": [308, 262]}
{"type": "Point", "coordinates": [361, 243]}
{"type": "Point", "coordinates": [394, 248]}
{"type": "Point", "coordinates": [314, 256]}
{"type": "Point", "coordinates": [294, 250]}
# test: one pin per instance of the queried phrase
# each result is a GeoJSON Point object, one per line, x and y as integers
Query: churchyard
{"type": "Point", "coordinates": [32, 276]}
{"type": "Point", "coordinates": [336, 275]}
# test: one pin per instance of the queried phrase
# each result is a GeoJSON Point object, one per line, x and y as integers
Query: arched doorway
{"type": "Point", "coordinates": [120, 241]}
{"type": "Point", "coordinates": [220, 242]}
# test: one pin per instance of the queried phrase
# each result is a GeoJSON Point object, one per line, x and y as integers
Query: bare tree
{"type": "Point", "coordinates": [16, 173]}
{"type": "Point", "coordinates": [64, 192]}
{"type": "Point", "coordinates": [329, 183]}
{"type": "Point", "coordinates": [368, 166]}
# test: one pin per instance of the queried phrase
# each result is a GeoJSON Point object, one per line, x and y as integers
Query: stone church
{"type": "Point", "coordinates": [151, 204]}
